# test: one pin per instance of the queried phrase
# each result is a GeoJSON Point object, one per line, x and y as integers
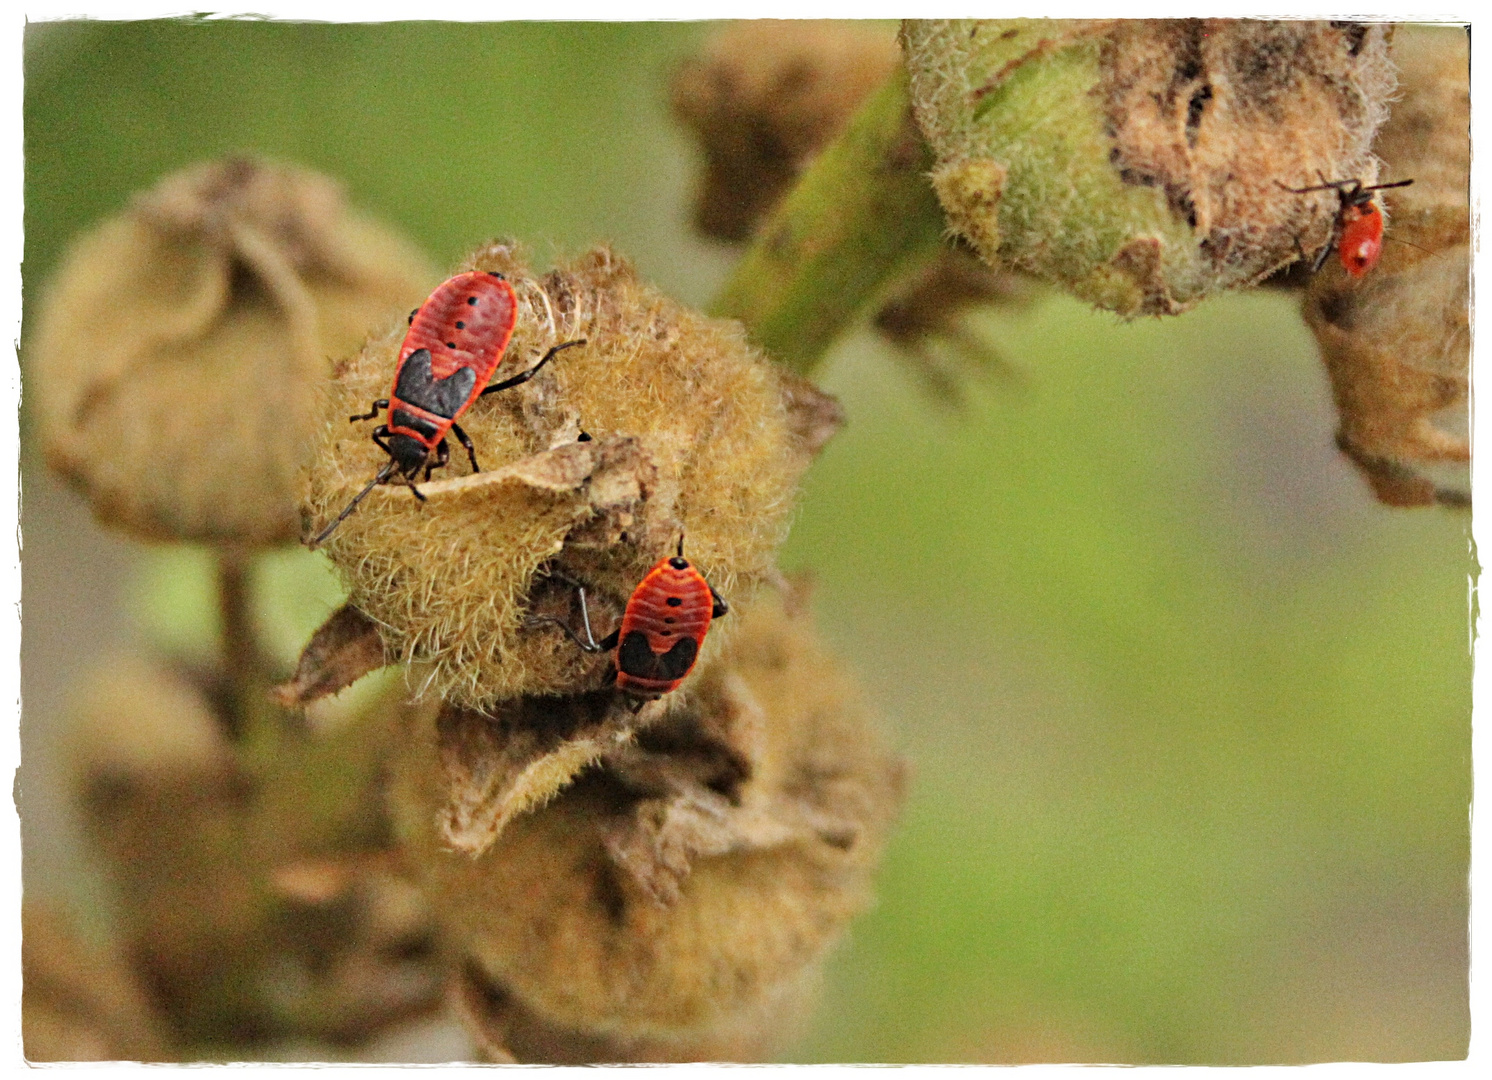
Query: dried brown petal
{"type": "Point", "coordinates": [692, 435]}
{"type": "Point", "coordinates": [180, 344]}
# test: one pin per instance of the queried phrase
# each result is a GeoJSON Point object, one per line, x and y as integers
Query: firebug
{"type": "Point", "coordinates": [662, 630]}
{"type": "Point", "coordinates": [455, 343]}
{"type": "Point", "coordinates": [1358, 232]}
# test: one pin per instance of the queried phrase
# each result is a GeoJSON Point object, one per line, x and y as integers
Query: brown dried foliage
{"type": "Point", "coordinates": [179, 344]}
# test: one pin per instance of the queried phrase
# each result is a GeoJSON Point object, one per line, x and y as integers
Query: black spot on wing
{"type": "Point", "coordinates": [637, 658]}
{"type": "Point", "coordinates": [418, 386]}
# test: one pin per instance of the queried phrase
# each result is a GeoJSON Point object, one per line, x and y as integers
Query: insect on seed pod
{"type": "Point", "coordinates": [670, 901]}
{"type": "Point", "coordinates": [662, 630]}
{"type": "Point", "coordinates": [666, 422]}
{"type": "Point", "coordinates": [1135, 162]}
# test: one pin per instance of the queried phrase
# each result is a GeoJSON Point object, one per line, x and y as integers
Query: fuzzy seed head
{"type": "Point", "coordinates": [1138, 162]}
{"type": "Point", "coordinates": [179, 346]}
{"type": "Point", "coordinates": [693, 434]}
{"type": "Point", "coordinates": [693, 876]}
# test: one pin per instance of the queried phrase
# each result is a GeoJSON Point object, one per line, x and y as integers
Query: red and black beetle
{"type": "Point", "coordinates": [1358, 232]}
{"type": "Point", "coordinates": [662, 630]}
{"type": "Point", "coordinates": [455, 343]}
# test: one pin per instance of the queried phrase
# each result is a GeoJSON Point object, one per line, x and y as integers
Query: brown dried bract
{"type": "Point", "coordinates": [1397, 341]}
{"type": "Point", "coordinates": [344, 649]}
{"type": "Point", "coordinates": [180, 344]}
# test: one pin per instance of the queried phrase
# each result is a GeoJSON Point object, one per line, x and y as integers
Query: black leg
{"type": "Point", "coordinates": [531, 372]}
{"type": "Point", "coordinates": [417, 493]}
{"type": "Point", "coordinates": [442, 456]}
{"type": "Point", "coordinates": [471, 451]}
{"type": "Point", "coordinates": [381, 403]}
{"type": "Point", "coordinates": [590, 644]}
{"type": "Point", "coordinates": [380, 433]}
{"type": "Point", "coordinates": [721, 607]}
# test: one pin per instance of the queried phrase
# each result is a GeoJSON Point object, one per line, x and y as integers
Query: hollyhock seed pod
{"type": "Point", "coordinates": [180, 343]}
{"type": "Point", "coordinates": [676, 893]}
{"type": "Point", "coordinates": [1138, 162]}
{"type": "Point", "coordinates": [688, 431]}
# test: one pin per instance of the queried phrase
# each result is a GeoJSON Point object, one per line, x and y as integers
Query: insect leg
{"type": "Point", "coordinates": [442, 456]}
{"type": "Point", "coordinates": [531, 372]}
{"type": "Point", "coordinates": [381, 403]}
{"type": "Point", "coordinates": [471, 451]}
{"type": "Point", "coordinates": [721, 607]}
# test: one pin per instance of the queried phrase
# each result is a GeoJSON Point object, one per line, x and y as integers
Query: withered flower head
{"type": "Point", "coordinates": [1139, 162]}
{"type": "Point", "coordinates": [1397, 340]}
{"type": "Point", "coordinates": [763, 98]}
{"type": "Point", "coordinates": [250, 905]}
{"type": "Point", "coordinates": [670, 900]}
{"type": "Point", "coordinates": [690, 433]}
{"type": "Point", "coordinates": [179, 345]}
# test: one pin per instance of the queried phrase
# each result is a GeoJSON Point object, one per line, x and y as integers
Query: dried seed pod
{"type": "Point", "coordinates": [1397, 340]}
{"type": "Point", "coordinates": [180, 344]}
{"type": "Point", "coordinates": [78, 1000]}
{"type": "Point", "coordinates": [762, 99]}
{"type": "Point", "coordinates": [677, 894]}
{"type": "Point", "coordinates": [691, 433]}
{"type": "Point", "coordinates": [251, 905]}
{"type": "Point", "coordinates": [1138, 162]}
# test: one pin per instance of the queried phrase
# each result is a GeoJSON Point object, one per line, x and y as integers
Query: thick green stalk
{"type": "Point", "coordinates": [862, 214]}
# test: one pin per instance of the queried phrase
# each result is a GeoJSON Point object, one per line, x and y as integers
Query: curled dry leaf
{"type": "Point", "coordinates": [1397, 341]}
{"type": "Point", "coordinates": [692, 433]}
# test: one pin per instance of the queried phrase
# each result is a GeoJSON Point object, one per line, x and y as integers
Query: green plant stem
{"type": "Point", "coordinates": [862, 214]}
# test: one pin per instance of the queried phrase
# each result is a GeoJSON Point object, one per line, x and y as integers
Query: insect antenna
{"type": "Point", "coordinates": [382, 477]}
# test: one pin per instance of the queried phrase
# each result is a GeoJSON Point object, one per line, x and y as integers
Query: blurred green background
{"type": "Point", "coordinates": [1189, 713]}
